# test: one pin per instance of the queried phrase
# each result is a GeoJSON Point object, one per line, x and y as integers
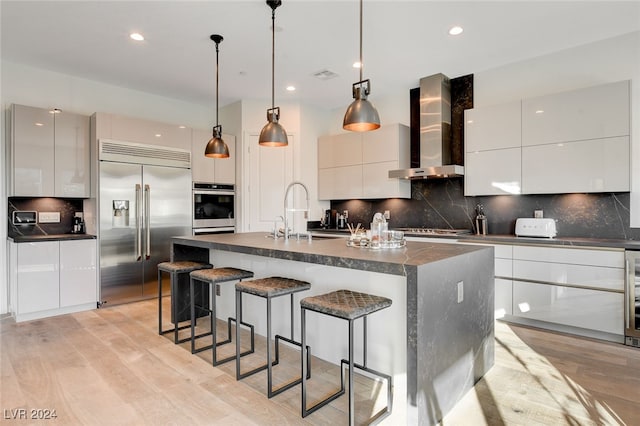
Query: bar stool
{"type": "Point", "coordinates": [269, 288]}
{"type": "Point", "coordinates": [348, 305]}
{"type": "Point", "coordinates": [174, 269]}
{"type": "Point", "coordinates": [211, 278]}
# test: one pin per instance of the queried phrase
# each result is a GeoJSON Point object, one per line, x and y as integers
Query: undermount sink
{"type": "Point", "coordinates": [324, 237]}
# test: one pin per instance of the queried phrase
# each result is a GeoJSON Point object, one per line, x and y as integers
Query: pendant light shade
{"type": "Point", "coordinates": [216, 147]}
{"type": "Point", "coordinates": [361, 115]}
{"type": "Point", "coordinates": [273, 134]}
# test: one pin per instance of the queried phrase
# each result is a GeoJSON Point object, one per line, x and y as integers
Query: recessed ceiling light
{"type": "Point", "coordinates": [136, 36]}
{"type": "Point", "coordinates": [357, 64]}
{"type": "Point", "coordinates": [39, 124]}
{"type": "Point", "coordinates": [291, 88]}
{"type": "Point", "coordinates": [540, 111]}
{"type": "Point", "coordinates": [158, 135]}
{"type": "Point", "coordinates": [456, 30]}
{"type": "Point", "coordinates": [182, 127]}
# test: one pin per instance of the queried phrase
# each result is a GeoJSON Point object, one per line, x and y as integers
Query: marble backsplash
{"type": "Point", "coordinates": [66, 207]}
{"type": "Point", "coordinates": [440, 203]}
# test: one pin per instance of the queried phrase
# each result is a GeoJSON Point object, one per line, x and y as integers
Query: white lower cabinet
{"type": "Point", "coordinates": [78, 283]}
{"type": "Point", "coordinates": [52, 277]}
{"type": "Point", "coordinates": [38, 277]}
{"type": "Point", "coordinates": [569, 306]}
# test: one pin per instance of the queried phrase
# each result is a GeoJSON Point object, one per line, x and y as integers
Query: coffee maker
{"type": "Point", "coordinates": [329, 219]}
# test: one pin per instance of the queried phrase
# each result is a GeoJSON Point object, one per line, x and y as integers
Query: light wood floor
{"type": "Point", "coordinates": [110, 367]}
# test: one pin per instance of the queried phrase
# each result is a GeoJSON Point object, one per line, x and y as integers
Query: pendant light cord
{"type": "Point", "coordinates": [273, 56]}
{"type": "Point", "coordinates": [217, 86]}
{"type": "Point", "coordinates": [361, 65]}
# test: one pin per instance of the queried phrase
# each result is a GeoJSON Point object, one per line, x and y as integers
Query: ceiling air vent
{"type": "Point", "coordinates": [325, 75]}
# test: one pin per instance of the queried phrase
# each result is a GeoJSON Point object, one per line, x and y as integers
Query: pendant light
{"type": "Point", "coordinates": [216, 147]}
{"type": "Point", "coordinates": [273, 134]}
{"type": "Point", "coordinates": [361, 116]}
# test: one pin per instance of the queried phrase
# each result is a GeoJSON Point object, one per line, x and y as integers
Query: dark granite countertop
{"type": "Point", "coordinates": [332, 252]}
{"type": "Point", "coordinates": [54, 237]}
{"type": "Point", "coordinates": [512, 239]}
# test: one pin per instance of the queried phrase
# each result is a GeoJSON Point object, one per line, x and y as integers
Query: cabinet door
{"type": "Point", "coordinates": [33, 152]}
{"type": "Point", "coordinates": [503, 298]}
{"type": "Point", "coordinates": [598, 165]}
{"type": "Point", "coordinates": [492, 172]}
{"type": "Point", "coordinates": [591, 113]}
{"type": "Point", "coordinates": [72, 164]}
{"type": "Point", "coordinates": [492, 127]}
{"type": "Point", "coordinates": [381, 145]}
{"type": "Point", "coordinates": [589, 309]}
{"type": "Point", "coordinates": [377, 184]}
{"type": "Point", "coordinates": [202, 168]}
{"type": "Point", "coordinates": [347, 182]}
{"type": "Point", "coordinates": [38, 278]}
{"type": "Point", "coordinates": [78, 280]}
{"type": "Point", "coordinates": [344, 149]}
{"type": "Point", "coordinates": [326, 184]}
{"type": "Point", "coordinates": [225, 168]}
{"type": "Point", "coordinates": [150, 132]}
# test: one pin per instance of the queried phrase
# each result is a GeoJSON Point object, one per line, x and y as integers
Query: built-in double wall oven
{"type": "Point", "coordinates": [632, 298]}
{"type": "Point", "coordinates": [213, 208]}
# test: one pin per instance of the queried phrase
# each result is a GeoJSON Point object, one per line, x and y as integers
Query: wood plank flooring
{"type": "Point", "coordinates": [109, 366]}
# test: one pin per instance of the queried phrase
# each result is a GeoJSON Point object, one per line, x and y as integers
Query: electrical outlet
{"type": "Point", "coordinates": [538, 214]}
{"type": "Point", "coordinates": [387, 214]}
{"type": "Point", "coordinates": [460, 292]}
{"type": "Point", "coordinates": [49, 217]}
{"type": "Point", "coordinates": [217, 289]}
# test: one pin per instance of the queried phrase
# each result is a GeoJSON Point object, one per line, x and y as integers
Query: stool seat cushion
{"type": "Point", "coordinates": [345, 304]}
{"type": "Point", "coordinates": [272, 286]}
{"type": "Point", "coordinates": [219, 275]}
{"type": "Point", "coordinates": [183, 266]}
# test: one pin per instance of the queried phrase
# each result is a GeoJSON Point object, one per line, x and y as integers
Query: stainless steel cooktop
{"type": "Point", "coordinates": [434, 231]}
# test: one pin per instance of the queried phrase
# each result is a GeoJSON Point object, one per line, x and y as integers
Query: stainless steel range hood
{"type": "Point", "coordinates": [435, 132]}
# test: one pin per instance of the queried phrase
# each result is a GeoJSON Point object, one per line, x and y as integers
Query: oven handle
{"type": "Point", "coordinates": [217, 230]}
{"type": "Point", "coordinates": [212, 192]}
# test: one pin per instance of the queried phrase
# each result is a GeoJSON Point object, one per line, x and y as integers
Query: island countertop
{"type": "Point", "coordinates": [330, 251]}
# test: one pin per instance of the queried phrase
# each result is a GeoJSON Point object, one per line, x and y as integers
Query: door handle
{"type": "Point", "coordinates": [138, 240]}
{"type": "Point", "coordinates": [147, 221]}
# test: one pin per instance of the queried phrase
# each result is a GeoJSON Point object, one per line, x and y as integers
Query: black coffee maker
{"type": "Point", "coordinates": [330, 219]}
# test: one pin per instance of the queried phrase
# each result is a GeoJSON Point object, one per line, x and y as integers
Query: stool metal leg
{"type": "Point", "coordinates": [160, 302]}
{"type": "Point", "coordinates": [352, 411]}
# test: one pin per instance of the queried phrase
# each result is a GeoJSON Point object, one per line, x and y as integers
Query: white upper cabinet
{"type": "Point", "coordinates": [596, 165]}
{"type": "Point", "coordinates": [356, 165]}
{"type": "Point", "coordinates": [591, 113]}
{"type": "Point", "coordinates": [130, 129]}
{"type": "Point", "coordinates": [72, 164]}
{"type": "Point", "coordinates": [214, 170]}
{"type": "Point", "coordinates": [494, 172]}
{"type": "Point", "coordinates": [492, 127]}
{"type": "Point", "coordinates": [49, 154]}
{"type": "Point", "coordinates": [344, 149]}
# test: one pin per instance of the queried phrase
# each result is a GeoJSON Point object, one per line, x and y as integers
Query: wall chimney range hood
{"type": "Point", "coordinates": [435, 132]}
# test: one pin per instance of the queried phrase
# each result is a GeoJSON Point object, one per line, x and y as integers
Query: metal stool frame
{"type": "Point", "coordinates": [351, 365]}
{"type": "Point", "coordinates": [213, 322]}
{"type": "Point", "coordinates": [269, 364]}
{"type": "Point", "coordinates": [173, 276]}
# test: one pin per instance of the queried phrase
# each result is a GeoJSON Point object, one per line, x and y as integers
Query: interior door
{"type": "Point", "coordinates": [120, 256]}
{"type": "Point", "coordinates": [167, 211]}
{"type": "Point", "coordinates": [270, 171]}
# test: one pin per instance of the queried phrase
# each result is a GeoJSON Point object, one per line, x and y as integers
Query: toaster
{"type": "Point", "coordinates": [536, 227]}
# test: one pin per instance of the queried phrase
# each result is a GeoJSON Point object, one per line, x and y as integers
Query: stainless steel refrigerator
{"type": "Point", "coordinates": [144, 199]}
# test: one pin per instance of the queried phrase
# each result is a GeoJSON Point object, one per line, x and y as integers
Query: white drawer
{"type": "Point", "coordinates": [503, 267]}
{"type": "Point", "coordinates": [562, 273]}
{"type": "Point", "coordinates": [503, 251]}
{"type": "Point", "coordinates": [590, 309]}
{"type": "Point", "coordinates": [577, 256]}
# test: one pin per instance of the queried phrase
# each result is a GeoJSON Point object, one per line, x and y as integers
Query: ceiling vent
{"type": "Point", "coordinates": [325, 75]}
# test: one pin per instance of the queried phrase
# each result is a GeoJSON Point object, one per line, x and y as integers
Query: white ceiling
{"type": "Point", "coordinates": [403, 41]}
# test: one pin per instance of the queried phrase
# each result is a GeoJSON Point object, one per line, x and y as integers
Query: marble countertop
{"type": "Point", "coordinates": [54, 237]}
{"type": "Point", "coordinates": [332, 251]}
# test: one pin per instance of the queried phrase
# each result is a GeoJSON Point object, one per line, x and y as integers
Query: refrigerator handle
{"type": "Point", "coordinates": [629, 279]}
{"type": "Point", "coordinates": [147, 221]}
{"type": "Point", "coordinates": [138, 243]}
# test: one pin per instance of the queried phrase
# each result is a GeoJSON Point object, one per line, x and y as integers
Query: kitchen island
{"type": "Point", "coordinates": [437, 338]}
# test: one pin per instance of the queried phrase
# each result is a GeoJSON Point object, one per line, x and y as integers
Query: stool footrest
{"type": "Point", "coordinates": [270, 391]}
{"type": "Point", "coordinates": [228, 340]}
{"type": "Point", "coordinates": [173, 330]}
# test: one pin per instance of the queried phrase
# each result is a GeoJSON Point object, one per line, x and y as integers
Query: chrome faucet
{"type": "Point", "coordinates": [286, 210]}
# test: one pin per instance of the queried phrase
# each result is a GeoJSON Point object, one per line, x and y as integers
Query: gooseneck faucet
{"type": "Point", "coordinates": [286, 210]}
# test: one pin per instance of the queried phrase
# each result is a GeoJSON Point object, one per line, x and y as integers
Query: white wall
{"type": "Point", "coordinates": [605, 61]}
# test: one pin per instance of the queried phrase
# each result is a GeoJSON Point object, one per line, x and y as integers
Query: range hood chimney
{"type": "Point", "coordinates": [435, 132]}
